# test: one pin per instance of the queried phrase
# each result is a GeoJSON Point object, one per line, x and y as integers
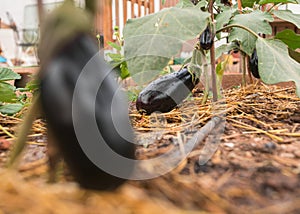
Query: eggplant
{"type": "Point", "coordinates": [253, 64]}
{"type": "Point", "coordinates": [227, 2]}
{"type": "Point", "coordinates": [166, 92]}
{"type": "Point", "coordinates": [58, 78]}
{"type": "Point", "coordinates": [206, 39]}
{"type": "Point", "coordinates": [195, 2]}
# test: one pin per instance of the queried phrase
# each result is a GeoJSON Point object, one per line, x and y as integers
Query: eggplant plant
{"type": "Point", "coordinates": [151, 41]}
{"type": "Point", "coordinates": [117, 60]}
{"type": "Point", "coordinates": [10, 103]}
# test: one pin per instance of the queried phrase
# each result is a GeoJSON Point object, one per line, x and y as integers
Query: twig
{"type": "Point", "coordinates": [283, 207]}
{"type": "Point", "coordinates": [290, 134]}
{"type": "Point", "coordinates": [6, 132]}
{"type": "Point", "coordinates": [246, 126]}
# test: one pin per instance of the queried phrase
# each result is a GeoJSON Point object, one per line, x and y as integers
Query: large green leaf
{"type": "Point", "coordinates": [256, 21]}
{"type": "Point", "coordinates": [274, 63]}
{"type": "Point", "coordinates": [189, 3]}
{"type": "Point", "coordinates": [288, 16]}
{"type": "Point", "coordinates": [11, 109]}
{"type": "Point", "coordinates": [225, 48]}
{"type": "Point", "coordinates": [290, 38]}
{"type": "Point", "coordinates": [261, 2]}
{"type": "Point", "coordinates": [248, 3]}
{"type": "Point", "coordinates": [184, 4]}
{"type": "Point", "coordinates": [7, 92]}
{"type": "Point", "coordinates": [8, 74]}
{"type": "Point", "coordinates": [152, 40]}
{"type": "Point", "coordinates": [224, 17]}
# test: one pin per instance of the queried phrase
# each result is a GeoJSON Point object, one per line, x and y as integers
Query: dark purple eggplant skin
{"type": "Point", "coordinates": [206, 39]}
{"type": "Point", "coordinates": [166, 92]}
{"type": "Point", "coordinates": [227, 2]}
{"type": "Point", "coordinates": [58, 80]}
{"type": "Point", "coordinates": [195, 2]}
{"type": "Point", "coordinates": [253, 64]}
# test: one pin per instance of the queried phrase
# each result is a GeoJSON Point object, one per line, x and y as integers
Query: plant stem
{"type": "Point", "coordinates": [23, 132]}
{"type": "Point", "coordinates": [213, 73]}
{"type": "Point", "coordinates": [6, 132]}
{"type": "Point", "coordinates": [239, 26]}
{"type": "Point", "coordinates": [248, 71]}
{"type": "Point", "coordinates": [243, 68]}
{"type": "Point", "coordinates": [207, 80]}
{"type": "Point", "coordinates": [271, 8]}
{"type": "Point", "coordinates": [213, 57]}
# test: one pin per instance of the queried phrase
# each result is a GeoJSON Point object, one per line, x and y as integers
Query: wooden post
{"type": "Point", "coordinates": [151, 6]}
{"type": "Point", "coordinates": [107, 20]}
{"type": "Point", "coordinates": [132, 9]}
{"type": "Point", "coordinates": [99, 18]}
{"type": "Point", "coordinates": [125, 11]}
{"type": "Point", "coordinates": [139, 8]}
{"type": "Point", "coordinates": [117, 13]}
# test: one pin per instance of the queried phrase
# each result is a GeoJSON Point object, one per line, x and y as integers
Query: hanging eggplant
{"type": "Point", "coordinates": [227, 2]}
{"type": "Point", "coordinates": [253, 64]}
{"type": "Point", "coordinates": [166, 92]}
{"type": "Point", "coordinates": [206, 38]}
{"type": "Point", "coordinates": [195, 2]}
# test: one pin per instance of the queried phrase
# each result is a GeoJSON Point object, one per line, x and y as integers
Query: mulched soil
{"type": "Point", "coordinates": [255, 169]}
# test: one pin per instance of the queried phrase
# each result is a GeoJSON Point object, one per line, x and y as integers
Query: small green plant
{"type": "Point", "coordinates": [10, 102]}
{"type": "Point", "coordinates": [117, 60]}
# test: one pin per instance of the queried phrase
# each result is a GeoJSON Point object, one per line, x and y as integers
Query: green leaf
{"type": "Point", "coordinates": [201, 4]}
{"type": "Point", "coordinates": [248, 3]}
{"type": "Point", "coordinates": [124, 71]}
{"type": "Point", "coordinates": [8, 74]}
{"type": "Point", "coordinates": [114, 45]}
{"type": "Point", "coordinates": [290, 38]}
{"type": "Point", "coordinates": [33, 84]}
{"type": "Point", "coordinates": [7, 93]}
{"type": "Point", "coordinates": [288, 16]}
{"type": "Point", "coordinates": [274, 63]}
{"type": "Point", "coordinates": [225, 48]}
{"type": "Point", "coordinates": [256, 21]}
{"type": "Point", "coordinates": [115, 57]}
{"type": "Point", "coordinates": [261, 2]}
{"type": "Point", "coordinates": [197, 60]}
{"type": "Point", "coordinates": [184, 4]}
{"type": "Point", "coordinates": [11, 109]}
{"type": "Point", "coordinates": [224, 17]}
{"type": "Point", "coordinates": [295, 55]}
{"type": "Point", "coordinates": [152, 40]}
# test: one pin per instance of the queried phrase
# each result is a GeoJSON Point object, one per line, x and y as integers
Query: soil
{"type": "Point", "coordinates": [255, 168]}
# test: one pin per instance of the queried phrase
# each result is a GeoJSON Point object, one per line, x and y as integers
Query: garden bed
{"type": "Point", "coordinates": [256, 168]}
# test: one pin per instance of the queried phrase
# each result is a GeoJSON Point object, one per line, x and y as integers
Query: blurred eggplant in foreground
{"type": "Point", "coordinates": [72, 48]}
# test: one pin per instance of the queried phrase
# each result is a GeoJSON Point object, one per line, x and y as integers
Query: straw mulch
{"type": "Point", "coordinates": [255, 169]}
